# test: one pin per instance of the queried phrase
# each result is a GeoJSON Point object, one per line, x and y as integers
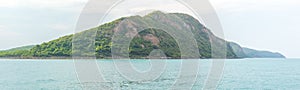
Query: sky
{"type": "Point", "coordinates": [259, 24]}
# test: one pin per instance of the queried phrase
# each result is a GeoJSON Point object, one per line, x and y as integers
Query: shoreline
{"type": "Point", "coordinates": [93, 58]}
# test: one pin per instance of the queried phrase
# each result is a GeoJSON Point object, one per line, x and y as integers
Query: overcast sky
{"type": "Point", "coordinates": [260, 24]}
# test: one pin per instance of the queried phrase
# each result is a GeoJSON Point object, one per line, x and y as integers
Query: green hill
{"type": "Point", "coordinates": [16, 52]}
{"type": "Point", "coordinates": [142, 43]}
{"type": "Point", "coordinates": [21, 48]}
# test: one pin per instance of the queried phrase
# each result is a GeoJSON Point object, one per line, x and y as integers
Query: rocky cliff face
{"type": "Point", "coordinates": [153, 32]}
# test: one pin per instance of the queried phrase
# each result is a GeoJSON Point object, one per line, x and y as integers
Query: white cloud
{"type": "Point", "coordinates": [242, 5]}
{"type": "Point", "coordinates": [8, 3]}
{"type": "Point", "coordinates": [142, 7]}
{"type": "Point", "coordinates": [61, 27]}
{"type": "Point", "coordinates": [1, 27]}
{"type": "Point", "coordinates": [39, 3]}
{"type": "Point", "coordinates": [5, 32]}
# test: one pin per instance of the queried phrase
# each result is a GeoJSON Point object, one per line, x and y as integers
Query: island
{"type": "Point", "coordinates": [143, 42]}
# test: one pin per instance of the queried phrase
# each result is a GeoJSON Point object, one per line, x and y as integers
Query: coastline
{"type": "Point", "coordinates": [110, 58]}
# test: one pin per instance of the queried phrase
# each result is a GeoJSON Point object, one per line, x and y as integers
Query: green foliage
{"type": "Point", "coordinates": [21, 48]}
{"type": "Point", "coordinates": [15, 53]}
{"type": "Point", "coordinates": [58, 47]}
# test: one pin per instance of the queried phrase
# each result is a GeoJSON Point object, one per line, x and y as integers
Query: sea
{"type": "Point", "coordinates": [236, 74]}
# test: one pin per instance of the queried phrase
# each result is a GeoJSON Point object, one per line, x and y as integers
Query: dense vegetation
{"type": "Point", "coordinates": [58, 47]}
{"type": "Point", "coordinates": [142, 44]}
{"type": "Point", "coordinates": [16, 52]}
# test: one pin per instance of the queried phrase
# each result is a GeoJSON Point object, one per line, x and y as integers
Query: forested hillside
{"type": "Point", "coordinates": [142, 43]}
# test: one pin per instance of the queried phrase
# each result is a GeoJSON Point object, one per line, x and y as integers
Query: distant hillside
{"type": "Point", "coordinates": [243, 52]}
{"type": "Point", "coordinates": [143, 42]}
{"type": "Point", "coordinates": [251, 53]}
{"type": "Point", "coordinates": [21, 48]}
{"type": "Point", "coordinates": [238, 50]}
{"type": "Point", "coordinates": [16, 52]}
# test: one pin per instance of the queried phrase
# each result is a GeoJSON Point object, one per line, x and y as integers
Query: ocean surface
{"type": "Point", "coordinates": [240, 74]}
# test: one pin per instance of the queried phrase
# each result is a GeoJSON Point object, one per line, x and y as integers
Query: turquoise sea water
{"type": "Point", "coordinates": [238, 74]}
